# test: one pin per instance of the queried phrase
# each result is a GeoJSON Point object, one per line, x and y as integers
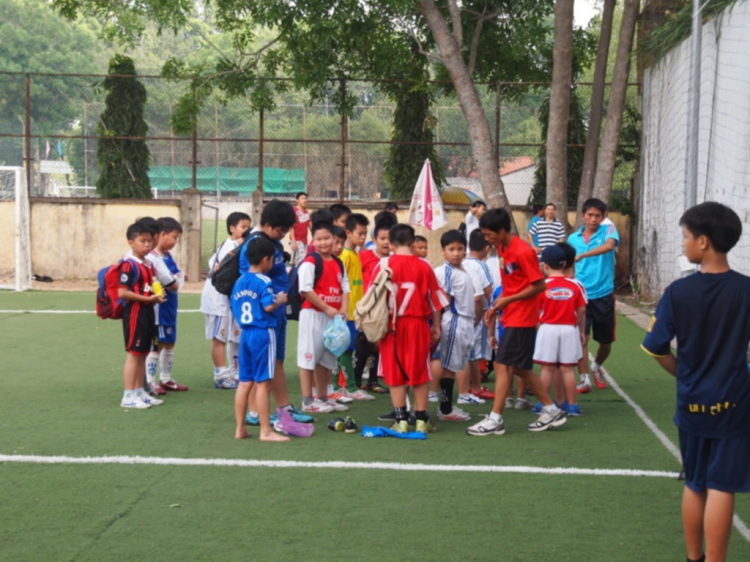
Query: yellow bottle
{"type": "Point", "coordinates": [157, 288]}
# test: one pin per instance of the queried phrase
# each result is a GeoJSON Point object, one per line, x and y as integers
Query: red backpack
{"type": "Point", "coordinates": [108, 301]}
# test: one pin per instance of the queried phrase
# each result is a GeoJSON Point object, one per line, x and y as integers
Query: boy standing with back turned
{"type": "Point", "coordinates": [709, 313]}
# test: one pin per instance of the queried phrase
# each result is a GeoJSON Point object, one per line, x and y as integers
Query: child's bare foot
{"type": "Point", "coordinates": [242, 434]}
{"type": "Point", "coordinates": [274, 437]}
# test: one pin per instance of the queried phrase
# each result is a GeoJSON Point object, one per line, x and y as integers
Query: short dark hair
{"type": "Point", "coordinates": [235, 218]}
{"type": "Point", "coordinates": [339, 232]}
{"type": "Point", "coordinates": [384, 221]}
{"type": "Point", "coordinates": [451, 237]}
{"type": "Point", "coordinates": [321, 215]}
{"type": "Point", "coordinates": [258, 248]}
{"type": "Point", "coordinates": [391, 206]}
{"type": "Point", "coordinates": [536, 208]}
{"type": "Point", "coordinates": [339, 209]}
{"type": "Point", "coordinates": [715, 221]}
{"type": "Point", "coordinates": [149, 225]}
{"type": "Point", "coordinates": [495, 220]}
{"type": "Point", "coordinates": [420, 238]}
{"type": "Point", "coordinates": [300, 194]}
{"type": "Point", "coordinates": [356, 219]}
{"type": "Point", "coordinates": [477, 241]}
{"type": "Point", "coordinates": [594, 203]}
{"type": "Point", "coordinates": [169, 224]}
{"type": "Point", "coordinates": [136, 229]}
{"type": "Point", "coordinates": [322, 225]}
{"type": "Point", "coordinates": [478, 203]}
{"type": "Point", "coordinates": [570, 254]}
{"type": "Point", "coordinates": [401, 235]}
{"type": "Point", "coordinates": [278, 214]}
{"type": "Point", "coordinates": [550, 203]}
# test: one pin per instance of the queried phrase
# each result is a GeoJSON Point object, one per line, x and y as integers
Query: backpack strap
{"type": "Point", "coordinates": [318, 267]}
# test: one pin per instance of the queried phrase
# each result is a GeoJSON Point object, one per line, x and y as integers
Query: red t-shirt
{"type": "Point", "coordinates": [560, 300]}
{"type": "Point", "coordinates": [417, 291]}
{"type": "Point", "coordinates": [519, 268]}
{"type": "Point", "coordinates": [329, 287]}
{"type": "Point", "coordinates": [301, 227]}
{"type": "Point", "coordinates": [369, 260]}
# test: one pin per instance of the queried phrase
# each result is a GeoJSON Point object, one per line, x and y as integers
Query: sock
{"type": "Point", "coordinates": [347, 364]}
{"type": "Point", "coordinates": [152, 362]}
{"type": "Point", "coordinates": [446, 395]}
{"type": "Point", "coordinates": [233, 352]}
{"type": "Point", "coordinates": [127, 395]}
{"type": "Point", "coordinates": [401, 413]}
{"type": "Point", "coordinates": [551, 409]}
{"type": "Point", "coordinates": [138, 392]}
{"type": "Point", "coordinates": [422, 415]}
{"type": "Point", "coordinates": [701, 559]}
{"type": "Point", "coordinates": [307, 400]}
{"type": "Point", "coordinates": [166, 357]}
{"type": "Point", "coordinates": [253, 414]}
{"type": "Point", "coordinates": [315, 392]}
{"type": "Point", "coordinates": [330, 390]}
{"type": "Point", "coordinates": [585, 378]}
{"type": "Point", "coordinates": [595, 366]}
{"type": "Point", "coordinates": [497, 418]}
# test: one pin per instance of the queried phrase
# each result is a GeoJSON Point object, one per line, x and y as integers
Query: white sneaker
{"type": "Point", "coordinates": [508, 402]}
{"type": "Point", "coordinates": [336, 406]}
{"type": "Point", "coordinates": [456, 415]}
{"type": "Point", "coordinates": [583, 387]}
{"type": "Point", "coordinates": [522, 404]}
{"type": "Point", "coordinates": [469, 399]}
{"type": "Point", "coordinates": [134, 403]}
{"type": "Point", "coordinates": [486, 427]}
{"type": "Point", "coordinates": [150, 400]}
{"type": "Point", "coordinates": [548, 420]}
{"type": "Point", "coordinates": [434, 397]}
{"type": "Point", "coordinates": [341, 396]}
{"type": "Point", "coordinates": [318, 407]}
{"type": "Point", "coordinates": [361, 395]}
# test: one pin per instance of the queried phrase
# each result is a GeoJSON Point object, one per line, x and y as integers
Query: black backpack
{"type": "Point", "coordinates": [293, 299]}
{"type": "Point", "coordinates": [227, 271]}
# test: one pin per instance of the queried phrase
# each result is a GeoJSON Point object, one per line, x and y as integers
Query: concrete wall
{"type": "Point", "coordinates": [7, 238]}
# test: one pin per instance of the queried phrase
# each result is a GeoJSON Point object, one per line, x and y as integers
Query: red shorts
{"type": "Point", "coordinates": [411, 345]}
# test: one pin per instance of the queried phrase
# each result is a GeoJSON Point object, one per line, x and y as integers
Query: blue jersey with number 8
{"type": "Point", "coordinates": [251, 294]}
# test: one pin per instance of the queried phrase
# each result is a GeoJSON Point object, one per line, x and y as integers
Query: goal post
{"type": "Point", "coordinates": [15, 266]}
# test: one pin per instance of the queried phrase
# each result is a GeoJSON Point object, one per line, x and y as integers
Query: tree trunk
{"type": "Point", "coordinates": [597, 107]}
{"type": "Point", "coordinates": [479, 128]}
{"type": "Point", "coordinates": [559, 110]}
{"type": "Point", "coordinates": [605, 168]}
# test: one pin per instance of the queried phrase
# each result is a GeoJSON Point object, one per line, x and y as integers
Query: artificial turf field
{"type": "Point", "coordinates": [62, 376]}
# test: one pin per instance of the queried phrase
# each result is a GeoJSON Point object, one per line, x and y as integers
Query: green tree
{"type": "Point", "coordinates": [123, 162]}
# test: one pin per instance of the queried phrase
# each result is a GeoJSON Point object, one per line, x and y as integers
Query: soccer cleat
{"type": "Point", "coordinates": [150, 400]}
{"type": "Point", "coordinates": [350, 426]}
{"type": "Point", "coordinates": [336, 406]}
{"type": "Point", "coordinates": [400, 427]}
{"type": "Point", "coordinates": [377, 388]}
{"type": "Point", "coordinates": [599, 379]}
{"type": "Point", "coordinates": [298, 416]}
{"type": "Point", "coordinates": [340, 397]}
{"type": "Point", "coordinates": [226, 383]}
{"type": "Point", "coordinates": [486, 427]}
{"type": "Point", "coordinates": [155, 389]}
{"type": "Point", "coordinates": [509, 403]}
{"type": "Point", "coordinates": [522, 404]}
{"type": "Point", "coordinates": [134, 403]}
{"type": "Point", "coordinates": [484, 393]}
{"type": "Point", "coordinates": [255, 420]}
{"type": "Point", "coordinates": [455, 415]}
{"type": "Point", "coordinates": [425, 426]}
{"type": "Point", "coordinates": [317, 407]}
{"type": "Point", "coordinates": [564, 406]}
{"type": "Point", "coordinates": [390, 416]}
{"type": "Point", "coordinates": [470, 399]}
{"type": "Point", "coordinates": [574, 410]}
{"type": "Point", "coordinates": [337, 424]}
{"type": "Point", "coordinates": [548, 420]}
{"type": "Point", "coordinates": [433, 396]}
{"type": "Point", "coordinates": [536, 408]}
{"type": "Point", "coordinates": [171, 385]}
{"type": "Point", "coordinates": [361, 395]}
{"type": "Point", "coordinates": [583, 387]}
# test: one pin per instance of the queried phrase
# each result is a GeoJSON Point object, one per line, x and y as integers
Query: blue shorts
{"type": "Point", "coordinates": [167, 334]}
{"type": "Point", "coordinates": [280, 336]}
{"type": "Point", "coordinates": [352, 333]}
{"type": "Point", "coordinates": [257, 354]}
{"type": "Point", "coordinates": [718, 464]}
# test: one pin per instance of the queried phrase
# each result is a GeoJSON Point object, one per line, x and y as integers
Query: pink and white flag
{"type": "Point", "coordinates": [426, 205]}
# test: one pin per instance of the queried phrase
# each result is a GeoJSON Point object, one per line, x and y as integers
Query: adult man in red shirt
{"type": "Point", "coordinates": [522, 283]}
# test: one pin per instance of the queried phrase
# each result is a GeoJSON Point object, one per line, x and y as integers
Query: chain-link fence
{"type": "Point", "coordinates": [49, 123]}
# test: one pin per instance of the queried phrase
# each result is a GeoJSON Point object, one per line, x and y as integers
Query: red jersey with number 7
{"type": "Point", "coordinates": [417, 291]}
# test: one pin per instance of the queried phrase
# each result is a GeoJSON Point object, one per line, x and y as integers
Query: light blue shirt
{"type": "Point", "coordinates": [597, 273]}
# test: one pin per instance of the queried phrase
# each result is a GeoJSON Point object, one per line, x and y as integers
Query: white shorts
{"type": "Point", "coordinates": [456, 341]}
{"type": "Point", "coordinates": [481, 349]}
{"type": "Point", "coordinates": [222, 328]}
{"type": "Point", "coordinates": [299, 252]}
{"type": "Point", "coordinates": [310, 348]}
{"type": "Point", "coordinates": [557, 344]}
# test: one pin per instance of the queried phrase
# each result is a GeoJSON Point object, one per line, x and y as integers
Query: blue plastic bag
{"type": "Point", "coordinates": [337, 338]}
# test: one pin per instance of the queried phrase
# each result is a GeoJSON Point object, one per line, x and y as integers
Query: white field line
{"type": "Point", "coordinates": [161, 461]}
{"type": "Point", "coordinates": [661, 436]}
{"type": "Point", "coordinates": [70, 311]}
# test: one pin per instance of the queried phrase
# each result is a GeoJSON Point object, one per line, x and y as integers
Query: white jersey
{"type": "Point", "coordinates": [480, 276]}
{"type": "Point", "coordinates": [493, 263]}
{"type": "Point", "coordinates": [212, 301]}
{"type": "Point", "coordinates": [472, 223]}
{"type": "Point", "coordinates": [458, 285]}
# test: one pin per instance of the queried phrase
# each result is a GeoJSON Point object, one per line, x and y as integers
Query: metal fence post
{"type": "Point", "coordinates": [27, 134]}
{"type": "Point", "coordinates": [194, 161]}
{"type": "Point", "coordinates": [342, 176]}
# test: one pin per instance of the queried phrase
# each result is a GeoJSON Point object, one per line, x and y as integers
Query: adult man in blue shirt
{"type": "Point", "coordinates": [595, 245]}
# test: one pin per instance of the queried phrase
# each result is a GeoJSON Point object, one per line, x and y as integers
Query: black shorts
{"type": "Point", "coordinates": [718, 464]}
{"type": "Point", "coordinates": [517, 348]}
{"type": "Point", "coordinates": [600, 314]}
{"type": "Point", "coordinates": [140, 329]}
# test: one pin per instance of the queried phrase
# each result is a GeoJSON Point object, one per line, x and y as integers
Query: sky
{"type": "Point", "coordinates": [584, 10]}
